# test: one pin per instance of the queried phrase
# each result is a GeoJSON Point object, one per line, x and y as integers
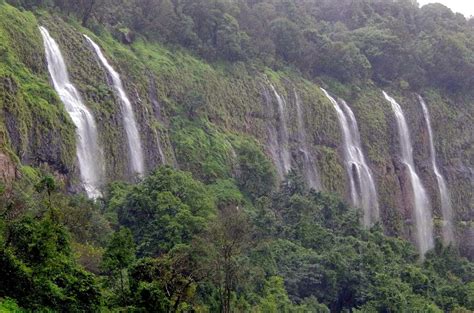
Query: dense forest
{"type": "Point", "coordinates": [172, 244]}
{"type": "Point", "coordinates": [210, 226]}
{"type": "Point", "coordinates": [387, 41]}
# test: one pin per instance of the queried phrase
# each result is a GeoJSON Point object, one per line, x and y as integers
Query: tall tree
{"type": "Point", "coordinates": [119, 255]}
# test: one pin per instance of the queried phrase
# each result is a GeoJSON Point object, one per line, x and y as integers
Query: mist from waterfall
{"type": "Point", "coordinates": [421, 204]}
{"type": "Point", "coordinates": [362, 184]}
{"type": "Point", "coordinates": [89, 153]}
{"type": "Point", "coordinates": [446, 208]}
{"type": "Point", "coordinates": [309, 165]}
{"type": "Point", "coordinates": [137, 163]}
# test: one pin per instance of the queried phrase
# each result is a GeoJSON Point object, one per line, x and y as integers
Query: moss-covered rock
{"type": "Point", "coordinates": [33, 122]}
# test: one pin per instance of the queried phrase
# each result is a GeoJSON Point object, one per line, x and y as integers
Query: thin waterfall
{"type": "Point", "coordinates": [421, 204]}
{"type": "Point", "coordinates": [309, 165]}
{"type": "Point", "coordinates": [272, 134]}
{"type": "Point", "coordinates": [446, 208]}
{"type": "Point", "coordinates": [283, 131]}
{"type": "Point", "coordinates": [129, 122]}
{"type": "Point", "coordinates": [362, 184]}
{"type": "Point", "coordinates": [157, 110]}
{"type": "Point", "coordinates": [89, 153]}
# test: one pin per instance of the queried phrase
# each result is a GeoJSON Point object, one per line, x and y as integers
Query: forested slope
{"type": "Point", "coordinates": [229, 93]}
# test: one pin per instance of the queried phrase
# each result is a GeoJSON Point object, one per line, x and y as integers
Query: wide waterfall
{"type": "Point", "coordinates": [283, 131]}
{"type": "Point", "coordinates": [446, 208]}
{"type": "Point", "coordinates": [363, 191]}
{"type": "Point", "coordinates": [421, 204]}
{"type": "Point", "coordinates": [129, 122]}
{"type": "Point", "coordinates": [309, 164]}
{"type": "Point", "coordinates": [89, 153]}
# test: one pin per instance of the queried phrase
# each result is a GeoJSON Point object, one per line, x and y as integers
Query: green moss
{"type": "Point", "coordinates": [332, 172]}
{"type": "Point", "coordinates": [33, 121]}
{"type": "Point", "coordinates": [29, 173]}
{"type": "Point", "coordinates": [371, 111]}
{"type": "Point", "coordinates": [201, 149]}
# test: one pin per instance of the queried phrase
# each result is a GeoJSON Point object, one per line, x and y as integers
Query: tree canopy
{"type": "Point", "coordinates": [352, 41]}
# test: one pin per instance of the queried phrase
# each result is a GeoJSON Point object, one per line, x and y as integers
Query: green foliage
{"type": "Point", "coordinates": [164, 284]}
{"type": "Point", "coordinates": [384, 40]}
{"type": "Point", "coordinates": [275, 297]}
{"type": "Point", "coordinates": [10, 306]}
{"type": "Point", "coordinates": [164, 210]}
{"type": "Point", "coordinates": [120, 252]}
{"type": "Point", "coordinates": [286, 38]}
{"type": "Point", "coordinates": [118, 256]}
{"type": "Point", "coordinates": [34, 124]}
{"type": "Point", "coordinates": [38, 269]}
{"type": "Point", "coordinates": [256, 175]}
{"type": "Point", "coordinates": [202, 150]}
{"type": "Point", "coordinates": [226, 192]}
{"type": "Point", "coordinates": [299, 251]}
{"type": "Point", "coordinates": [322, 252]}
{"type": "Point", "coordinates": [38, 263]}
{"type": "Point", "coordinates": [235, 244]}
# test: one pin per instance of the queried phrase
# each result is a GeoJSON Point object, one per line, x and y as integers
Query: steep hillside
{"type": "Point", "coordinates": [35, 128]}
{"type": "Point", "coordinates": [196, 115]}
{"type": "Point", "coordinates": [249, 131]}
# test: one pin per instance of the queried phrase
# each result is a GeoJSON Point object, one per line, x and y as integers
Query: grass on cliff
{"type": "Point", "coordinates": [33, 122]}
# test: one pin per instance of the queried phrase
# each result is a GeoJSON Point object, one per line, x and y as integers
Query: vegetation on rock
{"type": "Point", "coordinates": [224, 233]}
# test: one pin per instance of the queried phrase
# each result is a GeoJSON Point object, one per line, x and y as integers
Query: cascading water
{"type": "Point", "coordinates": [89, 154]}
{"type": "Point", "coordinates": [130, 125]}
{"type": "Point", "coordinates": [273, 145]}
{"type": "Point", "coordinates": [278, 142]}
{"type": "Point", "coordinates": [157, 109]}
{"type": "Point", "coordinates": [363, 191]}
{"type": "Point", "coordinates": [283, 132]}
{"type": "Point", "coordinates": [309, 165]}
{"type": "Point", "coordinates": [446, 208]}
{"type": "Point", "coordinates": [421, 204]}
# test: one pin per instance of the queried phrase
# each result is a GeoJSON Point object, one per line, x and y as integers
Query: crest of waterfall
{"type": "Point", "coordinates": [133, 137]}
{"type": "Point", "coordinates": [309, 164]}
{"type": "Point", "coordinates": [446, 208]}
{"type": "Point", "coordinates": [362, 184]}
{"type": "Point", "coordinates": [421, 204]}
{"type": "Point", "coordinates": [89, 153]}
{"type": "Point", "coordinates": [283, 131]}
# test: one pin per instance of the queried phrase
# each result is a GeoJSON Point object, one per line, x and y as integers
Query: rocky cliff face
{"type": "Point", "coordinates": [196, 116]}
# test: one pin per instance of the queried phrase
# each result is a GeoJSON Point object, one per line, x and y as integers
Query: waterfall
{"type": "Point", "coordinates": [283, 132]}
{"type": "Point", "coordinates": [446, 208]}
{"type": "Point", "coordinates": [129, 122]}
{"type": "Point", "coordinates": [157, 110]}
{"type": "Point", "coordinates": [89, 153]}
{"type": "Point", "coordinates": [278, 140]}
{"type": "Point", "coordinates": [362, 185]}
{"type": "Point", "coordinates": [273, 145]}
{"type": "Point", "coordinates": [309, 165]}
{"type": "Point", "coordinates": [421, 204]}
